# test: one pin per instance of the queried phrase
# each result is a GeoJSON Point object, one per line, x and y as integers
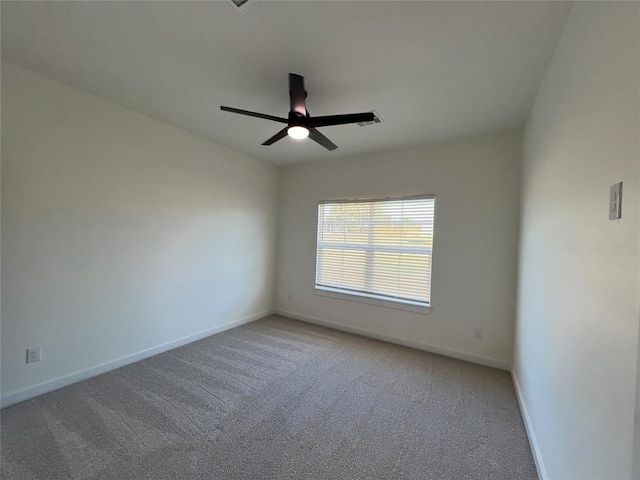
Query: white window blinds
{"type": "Point", "coordinates": [377, 248]}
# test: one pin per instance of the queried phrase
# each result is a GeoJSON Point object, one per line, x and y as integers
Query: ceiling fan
{"type": "Point", "coordinates": [300, 124]}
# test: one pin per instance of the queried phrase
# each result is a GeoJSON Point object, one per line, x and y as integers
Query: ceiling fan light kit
{"type": "Point", "coordinates": [298, 132]}
{"type": "Point", "coordinates": [300, 124]}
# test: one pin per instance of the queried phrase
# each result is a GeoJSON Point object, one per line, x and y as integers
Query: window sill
{"type": "Point", "coordinates": [370, 300]}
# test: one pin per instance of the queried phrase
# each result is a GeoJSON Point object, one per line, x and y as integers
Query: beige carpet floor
{"type": "Point", "coordinates": [275, 399]}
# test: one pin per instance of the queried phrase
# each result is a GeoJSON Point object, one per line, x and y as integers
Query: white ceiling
{"type": "Point", "coordinates": [432, 70]}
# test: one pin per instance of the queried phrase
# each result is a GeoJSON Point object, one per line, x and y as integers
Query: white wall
{"type": "Point", "coordinates": [577, 330]}
{"type": "Point", "coordinates": [477, 187]}
{"type": "Point", "coordinates": [120, 233]}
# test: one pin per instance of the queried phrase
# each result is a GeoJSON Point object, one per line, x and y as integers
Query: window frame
{"type": "Point", "coordinates": [371, 298]}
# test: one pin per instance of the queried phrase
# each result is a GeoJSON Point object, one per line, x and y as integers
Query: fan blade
{"type": "Point", "coordinates": [317, 137]}
{"type": "Point", "coordinates": [278, 136]}
{"type": "Point", "coordinates": [254, 114]}
{"type": "Point", "coordinates": [297, 95]}
{"type": "Point", "coordinates": [341, 119]}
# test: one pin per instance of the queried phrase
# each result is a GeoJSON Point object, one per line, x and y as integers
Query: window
{"type": "Point", "coordinates": [377, 249]}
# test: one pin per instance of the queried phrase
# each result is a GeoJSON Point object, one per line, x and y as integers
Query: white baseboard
{"type": "Point", "coordinates": [49, 386]}
{"type": "Point", "coordinates": [535, 448]}
{"type": "Point", "coordinates": [447, 352]}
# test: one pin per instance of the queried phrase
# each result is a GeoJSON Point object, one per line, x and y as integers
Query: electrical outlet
{"type": "Point", "coordinates": [477, 333]}
{"type": "Point", "coordinates": [34, 354]}
{"type": "Point", "coordinates": [615, 201]}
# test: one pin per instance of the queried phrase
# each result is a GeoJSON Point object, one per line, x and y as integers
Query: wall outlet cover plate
{"type": "Point", "coordinates": [615, 201]}
{"type": "Point", "coordinates": [34, 354]}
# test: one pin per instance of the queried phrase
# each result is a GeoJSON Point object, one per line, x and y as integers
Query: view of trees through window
{"type": "Point", "coordinates": [378, 247]}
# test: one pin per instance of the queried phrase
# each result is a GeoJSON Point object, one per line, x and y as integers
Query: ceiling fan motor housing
{"type": "Point", "coordinates": [296, 119]}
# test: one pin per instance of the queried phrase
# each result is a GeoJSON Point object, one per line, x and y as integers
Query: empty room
{"type": "Point", "coordinates": [253, 239]}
